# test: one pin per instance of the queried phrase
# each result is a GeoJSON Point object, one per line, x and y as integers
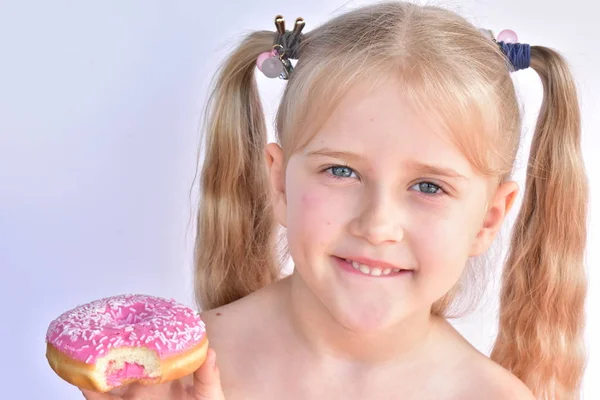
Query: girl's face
{"type": "Point", "coordinates": [376, 185]}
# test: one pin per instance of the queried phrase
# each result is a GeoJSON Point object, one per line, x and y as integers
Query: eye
{"type": "Point", "coordinates": [340, 171]}
{"type": "Point", "coordinates": [430, 189]}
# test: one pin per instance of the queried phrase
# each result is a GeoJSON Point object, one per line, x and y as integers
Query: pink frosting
{"type": "Point", "coordinates": [89, 331]}
{"type": "Point", "coordinates": [129, 370]}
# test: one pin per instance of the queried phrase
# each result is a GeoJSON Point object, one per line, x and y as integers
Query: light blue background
{"type": "Point", "coordinates": [100, 105]}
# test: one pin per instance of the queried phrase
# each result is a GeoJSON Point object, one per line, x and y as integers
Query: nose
{"type": "Point", "coordinates": [379, 220]}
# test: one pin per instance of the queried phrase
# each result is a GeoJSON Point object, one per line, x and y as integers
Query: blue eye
{"type": "Point", "coordinates": [342, 170]}
{"type": "Point", "coordinates": [430, 189]}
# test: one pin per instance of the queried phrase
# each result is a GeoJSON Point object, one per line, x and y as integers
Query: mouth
{"type": "Point", "coordinates": [367, 270]}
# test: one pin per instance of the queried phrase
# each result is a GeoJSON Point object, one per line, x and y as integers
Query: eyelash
{"type": "Point", "coordinates": [442, 192]}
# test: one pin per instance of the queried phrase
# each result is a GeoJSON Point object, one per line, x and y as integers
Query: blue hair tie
{"type": "Point", "coordinates": [519, 54]}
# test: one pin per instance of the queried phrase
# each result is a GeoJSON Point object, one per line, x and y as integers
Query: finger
{"type": "Point", "coordinates": [91, 395]}
{"type": "Point", "coordinates": [207, 380]}
{"type": "Point", "coordinates": [121, 391]}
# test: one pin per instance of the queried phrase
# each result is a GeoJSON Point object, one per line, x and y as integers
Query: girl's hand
{"type": "Point", "coordinates": [205, 385]}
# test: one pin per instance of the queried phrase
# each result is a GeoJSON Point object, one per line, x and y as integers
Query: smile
{"type": "Point", "coordinates": [353, 266]}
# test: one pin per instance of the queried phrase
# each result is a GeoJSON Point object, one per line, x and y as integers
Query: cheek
{"type": "Point", "coordinates": [313, 217]}
{"type": "Point", "coordinates": [440, 244]}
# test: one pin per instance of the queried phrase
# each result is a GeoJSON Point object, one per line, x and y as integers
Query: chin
{"type": "Point", "coordinates": [364, 318]}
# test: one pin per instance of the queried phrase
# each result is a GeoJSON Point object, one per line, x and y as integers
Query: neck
{"type": "Point", "coordinates": [324, 336]}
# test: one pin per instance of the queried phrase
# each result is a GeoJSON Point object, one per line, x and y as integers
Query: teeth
{"type": "Point", "coordinates": [373, 271]}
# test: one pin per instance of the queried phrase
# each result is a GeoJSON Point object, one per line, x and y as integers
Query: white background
{"type": "Point", "coordinates": [100, 105]}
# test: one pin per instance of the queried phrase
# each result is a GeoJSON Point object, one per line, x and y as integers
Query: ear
{"type": "Point", "coordinates": [274, 159]}
{"type": "Point", "coordinates": [500, 205]}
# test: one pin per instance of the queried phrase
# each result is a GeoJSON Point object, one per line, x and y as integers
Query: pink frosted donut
{"type": "Point", "coordinates": [122, 339]}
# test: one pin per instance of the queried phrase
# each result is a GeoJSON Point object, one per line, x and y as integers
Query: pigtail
{"type": "Point", "coordinates": [540, 337]}
{"type": "Point", "coordinates": [234, 248]}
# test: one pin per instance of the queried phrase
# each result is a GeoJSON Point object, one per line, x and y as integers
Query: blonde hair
{"type": "Point", "coordinates": [461, 79]}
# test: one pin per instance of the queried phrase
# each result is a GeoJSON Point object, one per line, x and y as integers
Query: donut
{"type": "Point", "coordinates": [123, 339]}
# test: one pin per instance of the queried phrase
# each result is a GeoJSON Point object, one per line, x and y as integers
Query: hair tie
{"type": "Point", "coordinates": [519, 54]}
{"type": "Point", "coordinates": [276, 63]}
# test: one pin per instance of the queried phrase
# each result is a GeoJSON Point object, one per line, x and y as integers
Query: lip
{"type": "Point", "coordinates": [373, 263]}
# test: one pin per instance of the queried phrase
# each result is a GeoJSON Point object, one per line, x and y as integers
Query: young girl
{"type": "Point", "coordinates": [396, 140]}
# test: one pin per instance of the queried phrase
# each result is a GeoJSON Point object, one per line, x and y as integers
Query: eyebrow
{"type": "Point", "coordinates": [412, 164]}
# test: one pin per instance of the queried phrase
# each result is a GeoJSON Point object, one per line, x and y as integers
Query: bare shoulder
{"type": "Point", "coordinates": [236, 333]}
{"type": "Point", "coordinates": [223, 323]}
{"type": "Point", "coordinates": [239, 321]}
{"type": "Point", "coordinates": [476, 376]}
{"type": "Point", "coordinates": [492, 381]}
{"type": "Point", "coordinates": [229, 328]}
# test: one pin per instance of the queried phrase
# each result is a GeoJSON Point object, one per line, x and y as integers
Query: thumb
{"type": "Point", "coordinates": [91, 395]}
{"type": "Point", "coordinates": [207, 380]}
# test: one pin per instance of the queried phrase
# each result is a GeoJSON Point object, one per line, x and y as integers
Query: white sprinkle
{"type": "Point", "coordinates": [87, 360]}
{"type": "Point", "coordinates": [99, 346]}
{"type": "Point", "coordinates": [162, 338]}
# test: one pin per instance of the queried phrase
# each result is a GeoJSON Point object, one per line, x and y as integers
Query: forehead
{"type": "Point", "coordinates": [380, 124]}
